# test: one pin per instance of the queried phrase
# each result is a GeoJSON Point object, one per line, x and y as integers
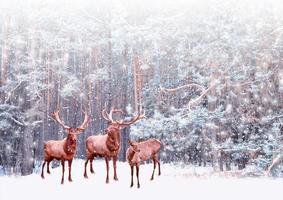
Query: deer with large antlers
{"type": "Point", "coordinates": [143, 151]}
{"type": "Point", "coordinates": [107, 145]}
{"type": "Point", "coordinates": [63, 150]}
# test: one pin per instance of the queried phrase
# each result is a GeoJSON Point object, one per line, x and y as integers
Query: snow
{"type": "Point", "coordinates": [59, 51]}
{"type": "Point", "coordinates": [175, 182]}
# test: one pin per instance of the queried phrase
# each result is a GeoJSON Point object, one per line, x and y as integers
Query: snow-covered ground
{"type": "Point", "coordinates": [174, 183]}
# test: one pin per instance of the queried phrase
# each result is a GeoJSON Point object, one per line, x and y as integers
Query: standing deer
{"type": "Point", "coordinates": [63, 150]}
{"type": "Point", "coordinates": [142, 151]}
{"type": "Point", "coordinates": [107, 145]}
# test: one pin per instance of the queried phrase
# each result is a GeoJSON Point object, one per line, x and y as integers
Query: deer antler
{"type": "Point", "coordinates": [108, 116]}
{"type": "Point", "coordinates": [84, 125]}
{"type": "Point", "coordinates": [136, 118]}
{"type": "Point", "coordinates": [105, 115]}
{"type": "Point", "coordinates": [56, 116]}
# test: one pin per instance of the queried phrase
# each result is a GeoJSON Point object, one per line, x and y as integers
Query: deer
{"type": "Point", "coordinates": [65, 149]}
{"type": "Point", "coordinates": [143, 151]}
{"type": "Point", "coordinates": [108, 144]}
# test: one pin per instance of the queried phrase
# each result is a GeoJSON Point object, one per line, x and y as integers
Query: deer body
{"type": "Point", "coordinates": [147, 150]}
{"type": "Point", "coordinates": [142, 151]}
{"type": "Point", "coordinates": [97, 145]}
{"type": "Point", "coordinates": [59, 149]}
{"type": "Point", "coordinates": [107, 145]}
{"type": "Point", "coordinates": [63, 150]}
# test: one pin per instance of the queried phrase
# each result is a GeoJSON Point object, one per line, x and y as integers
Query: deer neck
{"type": "Point", "coordinates": [70, 147]}
{"type": "Point", "coordinates": [113, 144]}
{"type": "Point", "coordinates": [131, 155]}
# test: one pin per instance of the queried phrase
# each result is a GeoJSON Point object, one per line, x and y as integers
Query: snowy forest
{"type": "Point", "coordinates": [207, 74]}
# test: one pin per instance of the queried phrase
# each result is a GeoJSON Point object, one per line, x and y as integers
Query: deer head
{"type": "Point", "coordinates": [114, 127]}
{"type": "Point", "coordinates": [133, 146]}
{"type": "Point", "coordinates": [71, 131]}
{"type": "Point", "coordinates": [134, 156]}
{"type": "Point", "coordinates": [63, 149]}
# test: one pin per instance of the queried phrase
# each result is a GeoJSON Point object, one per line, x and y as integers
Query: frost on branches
{"type": "Point", "coordinates": [133, 56]}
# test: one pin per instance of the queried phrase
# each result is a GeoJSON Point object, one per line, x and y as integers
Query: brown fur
{"type": "Point", "coordinates": [142, 151]}
{"type": "Point", "coordinates": [63, 150]}
{"type": "Point", "coordinates": [107, 145]}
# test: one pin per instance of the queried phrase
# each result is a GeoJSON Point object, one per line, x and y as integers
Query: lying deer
{"type": "Point", "coordinates": [142, 151]}
{"type": "Point", "coordinates": [107, 145]}
{"type": "Point", "coordinates": [63, 150]}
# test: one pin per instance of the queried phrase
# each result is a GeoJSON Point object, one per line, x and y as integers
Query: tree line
{"type": "Point", "coordinates": [105, 54]}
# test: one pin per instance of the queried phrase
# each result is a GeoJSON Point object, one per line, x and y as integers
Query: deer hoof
{"type": "Point", "coordinates": [131, 185]}
{"type": "Point", "coordinates": [116, 179]}
{"type": "Point", "coordinates": [107, 181]}
{"type": "Point", "coordinates": [85, 176]}
{"type": "Point", "coordinates": [42, 176]}
{"type": "Point", "coordinates": [70, 180]}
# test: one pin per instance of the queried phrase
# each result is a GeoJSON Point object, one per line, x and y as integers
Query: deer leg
{"type": "Point", "coordinates": [159, 171]}
{"type": "Point", "coordinates": [132, 174]}
{"type": "Point", "coordinates": [137, 172]}
{"type": "Point", "coordinates": [114, 166]}
{"type": "Point", "coordinates": [70, 168]}
{"type": "Point", "coordinates": [42, 171]}
{"type": "Point", "coordinates": [91, 168]}
{"type": "Point", "coordinates": [48, 169]}
{"type": "Point", "coordinates": [154, 166]}
{"type": "Point", "coordinates": [63, 170]}
{"type": "Point", "coordinates": [85, 173]}
{"type": "Point", "coordinates": [158, 162]}
{"type": "Point", "coordinates": [107, 169]}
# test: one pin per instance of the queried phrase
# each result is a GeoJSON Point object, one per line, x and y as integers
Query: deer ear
{"type": "Point", "coordinates": [122, 127]}
{"type": "Point", "coordinates": [79, 130]}
{"type": "Point", "coordinates": [130, 142]}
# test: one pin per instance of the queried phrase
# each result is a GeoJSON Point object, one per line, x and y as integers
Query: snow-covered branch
{"type": "Point", "coordinates": [17, 122]}
{"type": "Point", "coordinates": [196, 100]}
{"type": "Point", "coordinates": [11, 91]}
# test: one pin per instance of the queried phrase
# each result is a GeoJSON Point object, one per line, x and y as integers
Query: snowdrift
{"type": "Point", "coordinates": [175, 182]}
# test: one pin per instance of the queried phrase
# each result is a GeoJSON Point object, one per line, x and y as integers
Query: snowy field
{"type": "Point", "coordinates": [174, 183]}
